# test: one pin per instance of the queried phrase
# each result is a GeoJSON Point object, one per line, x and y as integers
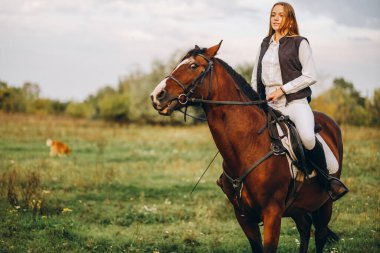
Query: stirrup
{"type": "Point", "coordinates": [339, 189]}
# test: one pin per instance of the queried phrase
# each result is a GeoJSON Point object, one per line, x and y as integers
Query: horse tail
{"type": "Point", "coordinates": [338, 137]}
{"type": "Point", "coordinates": [340, 147]}
{"type": "Point", "coordinates": [339, 143]}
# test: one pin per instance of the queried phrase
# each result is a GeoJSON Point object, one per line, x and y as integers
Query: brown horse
{"type": "Point", "coordinates": [235, 129]}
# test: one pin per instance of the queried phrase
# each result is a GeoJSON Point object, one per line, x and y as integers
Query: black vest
{"type": "Point", "coordinates": [290, 66]}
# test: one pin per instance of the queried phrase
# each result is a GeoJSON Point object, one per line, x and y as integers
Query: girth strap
{"type": "Point", "coordinates": [249, 170]}
{"type": "Point", "coordinates": [237, 183]}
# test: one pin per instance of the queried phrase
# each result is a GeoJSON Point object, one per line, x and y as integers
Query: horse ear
{"type": "Point", "coordinates": [197, 47]}
{"type": "Point", "coordinates": [211, 52]}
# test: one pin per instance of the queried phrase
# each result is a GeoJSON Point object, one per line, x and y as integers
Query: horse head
{"type": "Point", "coordinates": [186, 80]}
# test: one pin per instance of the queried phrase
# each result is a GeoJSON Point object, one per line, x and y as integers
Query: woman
{"type": "Point", "coordinates": [283, 71]}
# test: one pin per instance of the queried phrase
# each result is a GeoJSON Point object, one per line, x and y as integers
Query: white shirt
{"type": "Point", "coordinates": [271, 72]}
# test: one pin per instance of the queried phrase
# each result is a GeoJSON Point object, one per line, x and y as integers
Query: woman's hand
{"type": "Point", "coordinates": [275, 95]}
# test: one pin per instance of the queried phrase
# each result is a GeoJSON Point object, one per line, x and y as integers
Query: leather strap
{"type": "Point", "coordinates": [236, 183]}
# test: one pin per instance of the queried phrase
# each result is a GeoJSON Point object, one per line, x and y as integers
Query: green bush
{"type": "Point", "coordinates": [80, 110]}
{"type": "Point", "coordinates": [114, 107]}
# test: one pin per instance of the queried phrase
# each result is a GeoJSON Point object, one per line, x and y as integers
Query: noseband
{"type": "Point", "coordinates": [188, 91]}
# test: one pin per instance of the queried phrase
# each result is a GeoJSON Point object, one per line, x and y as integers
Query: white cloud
{"type": "Point", "coordinates": [83, 45]}
{"type": "Point", "coordinates": [351, 13]}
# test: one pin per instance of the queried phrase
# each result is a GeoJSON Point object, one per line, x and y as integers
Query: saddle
{"type": "Point", "coordinates": [296, 150]}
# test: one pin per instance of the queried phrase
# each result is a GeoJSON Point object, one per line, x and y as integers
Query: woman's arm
{"type": "Point", "coordinates": [309, 73]}
{"type": "Point", "coordinates": [254, 73]}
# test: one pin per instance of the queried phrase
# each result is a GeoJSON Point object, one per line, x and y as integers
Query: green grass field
{"type": "Point", "coordinates": [126, 189]}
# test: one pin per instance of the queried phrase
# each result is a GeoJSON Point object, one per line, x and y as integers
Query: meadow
{"type": "Point", "coordinates": [126, 188]}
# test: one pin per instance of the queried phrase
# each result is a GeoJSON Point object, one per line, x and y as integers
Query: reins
{"type": "Point", "coordinates": [206, 101]}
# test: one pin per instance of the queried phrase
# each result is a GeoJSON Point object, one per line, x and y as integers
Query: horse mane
{"type": "Point", "coordinates": [240, 81]}
{"type": "Point", "coordinates": [195, 51]}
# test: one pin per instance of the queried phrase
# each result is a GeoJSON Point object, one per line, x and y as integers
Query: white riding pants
{"type": "Point", "coordinates": [301, 114]}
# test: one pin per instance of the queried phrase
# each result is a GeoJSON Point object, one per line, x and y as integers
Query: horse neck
{"type": "Point", "coordinates": [234, 127]}
{"type": "Point", "coordinates": [224, 88]}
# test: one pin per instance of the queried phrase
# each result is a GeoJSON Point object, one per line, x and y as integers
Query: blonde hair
{"type": "Point", "coordinates": [289, 22]}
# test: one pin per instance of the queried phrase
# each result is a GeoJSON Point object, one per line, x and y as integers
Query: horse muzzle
{"type": "Point", "coordinates": [167, 109]}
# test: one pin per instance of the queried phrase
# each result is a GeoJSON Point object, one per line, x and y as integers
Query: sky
{"type": "Point", "coordinates": [73, 48]}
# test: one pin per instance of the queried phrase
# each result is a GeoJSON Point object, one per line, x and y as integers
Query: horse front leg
{"type": "Point", "coordinates": [250, 228]}
{"type": "Point", "coordinates": [252, 231]}
{"type": "Point", "coordinates": [272, 225]}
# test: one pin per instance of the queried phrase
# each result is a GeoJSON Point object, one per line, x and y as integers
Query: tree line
{"type": "Point", "coordinates": [129, 101]}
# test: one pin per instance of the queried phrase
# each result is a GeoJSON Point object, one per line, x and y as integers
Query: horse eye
{"type": "Point", "coordinates": [193, 66]}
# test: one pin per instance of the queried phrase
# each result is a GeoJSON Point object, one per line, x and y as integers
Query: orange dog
{"type": "Point", "coordinates": [57, 148]}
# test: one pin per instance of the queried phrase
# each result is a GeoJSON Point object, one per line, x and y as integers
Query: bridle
{"type": "Point", "coordinates": [183, 98]}
{"type": "Point", "coordinates": [188, 91]}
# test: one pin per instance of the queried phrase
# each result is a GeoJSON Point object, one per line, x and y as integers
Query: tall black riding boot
{"type": "Point", "coordinates": [333, 185]}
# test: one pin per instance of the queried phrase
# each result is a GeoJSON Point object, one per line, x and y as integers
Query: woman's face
{"type": "Point", "coordinates": [277, 17]}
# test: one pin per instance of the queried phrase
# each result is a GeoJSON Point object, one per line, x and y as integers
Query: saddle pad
{"type": "Point", "coordinates": [287, 145]}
